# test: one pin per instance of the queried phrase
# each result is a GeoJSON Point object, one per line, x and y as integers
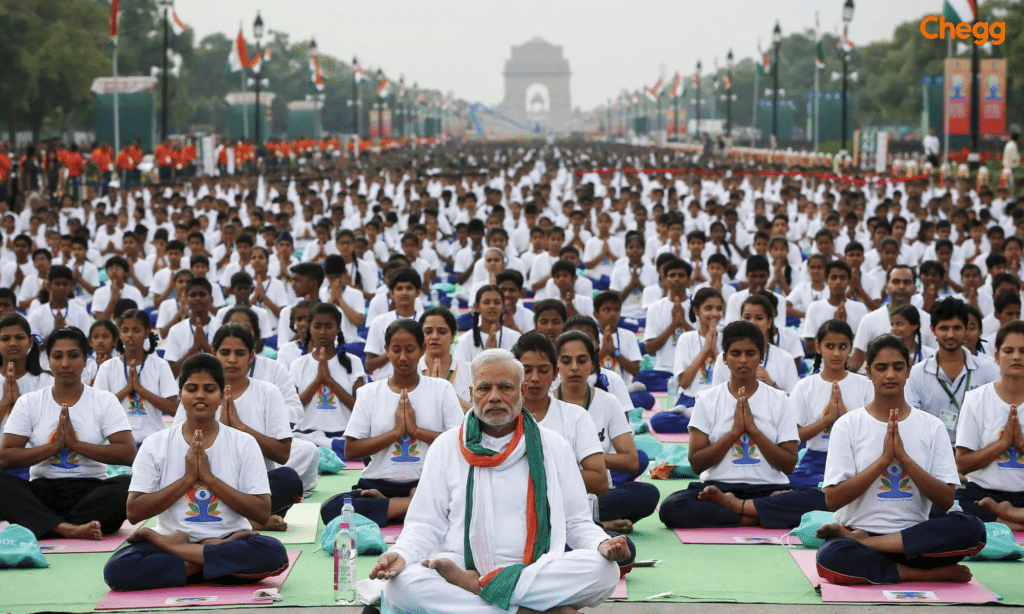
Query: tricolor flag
{"type": "Point", "coordinates": [382, 87]}
{"type": "Point", "coordinates": [257, 62]}
{"type": "Point", "coordinates": [316, 76]}
{"type": "Point", "coordinates": [958, 11]}
{"type": "Point", "coordinates": [655, 90]}
{"type": "Point", "coordinates": [359, 74]}
{"type": "Point", "coordinates": [819, 58]}
{"type": "Point", "coordinates": [239, 56]}
{"type": "Point", "coordinates": [696, 81]}
{"type": "Point", "coordinates": [677, 86]}
{"type": "Point", "coordinates": [715, 79]}
{"type": "Point", "coordinates": [847, 44]}
{"type": "Point", "coordinates": [113, 20]}
{"type": "Point", "coordinates": [177, 25]}
{"type": "Point", "coordinates": [727, 82]}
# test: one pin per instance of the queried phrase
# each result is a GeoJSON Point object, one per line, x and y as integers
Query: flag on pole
{"type": "Point", "coordinates": [257, 62]}
{"type": "Point", "coordinates": [696, 80]}
{"type": "Point", "coordinates": [819, 59]}
{"type": "Point", "coordinates": [113, 20]}
{"type": "Point", "coordinates": [847, 44]}
{"type": "Point", "coordinates": [316, 76]}
{"type": "Point", "coordinates": [177, 25]}
{"type": "Point", "coordinates": [727, 82]}
{"type": "Point", "coordinates": [359, 74]}
{"type": "Point", "coordinates": [958, 11]}
{"type": "Point", "coordinates": [382, 87]}
{"type": "Point", "coordinates": [655, 90]}
{"type": "Point", "coordinates": [239, 56]}
{"type": "Point", "coordinates": [677, 86]}
{"type": "Point", "coordinates": [715, 78]}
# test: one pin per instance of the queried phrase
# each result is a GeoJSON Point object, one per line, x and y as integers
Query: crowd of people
{"type": "Point", "coordinates": [849, 343]}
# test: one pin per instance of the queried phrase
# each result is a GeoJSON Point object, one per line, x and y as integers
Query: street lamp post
{"type": "Point", "coordinates": [973, 157]}
{"type": "Point", "coordinates": [400, 104]}
{"type": "Point", "coordinates": [777, 40]}
{"type": "Point", "coordinates": [696, 83]}
{"type": "Point", "coordinates": [318, 97]}
{"type": "Point", "coordinates": [355, 98]}
{"type": "Point", "coordinates": [728, 94]}
{"type": "Point", "coordinates": [257, 32]}
{"type": "Point", "coordinates": [164, 106]}
{"type": "Point", "coordinates": [416, 130]}
{"type": "Point", "coordinates": [847, 18]}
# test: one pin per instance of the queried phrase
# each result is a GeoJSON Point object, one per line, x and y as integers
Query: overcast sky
{"type": "Point", "coordinates": [462, 45]}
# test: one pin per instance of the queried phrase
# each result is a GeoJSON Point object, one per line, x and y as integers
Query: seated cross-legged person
{"type": "Point", "coordinates": [67, 434]}
{"type": "Point", "coordinates": [206, 484]}
{"type": "Point", "coordinates": [499, 500]}
{"type": "Point", "coordinates": [887, 465]}
{"type": "Point", "coordinates": [394, 422]}
{"type": "Point", "coordinates": [743, 439]}
{"type": "Point", "coordinates": [990, 439]}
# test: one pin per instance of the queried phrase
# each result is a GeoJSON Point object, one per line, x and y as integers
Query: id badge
{"type": "Point", "coordinates": [949, 420]}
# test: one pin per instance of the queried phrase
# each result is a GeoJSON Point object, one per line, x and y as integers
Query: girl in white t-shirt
{"type": "Point", "coordinates": [626, 500]}
{"type": "Point", "coordinates": [488, 329]}
{"type": "Point", "coordinates": [906, 324]}
{"type": "Point", "coordinates": [66, 434]}
{"type": "Point", "coordinates": [294, 330]}
{"type": "Point", "coordinates": [19, 359]}
{"type": "Point", "coordinates": [205, 483]}
{"type": "Point", "coordinates": [140, 380]}
{"type": "Point", "coordinates": [887, 465]}
{"type": "Point", "coordinates": [743, 443]}
{"type": "Point", "coordinates": [439, 328]}
{"type": "Point", "coordinates": [990, 438]}
{"type": "Point", "coordinates": [328, 378]}
{"type": "Point", "coordinates": [821, 399]}
{"type": "Point", "coordinates": [778, 367]}
{"type": "Point", "coordinates": [103, 342]}
{"type": "Point", "coordinates": [394, 422]}
{"type": "Point", "coordinates": [694, 360]}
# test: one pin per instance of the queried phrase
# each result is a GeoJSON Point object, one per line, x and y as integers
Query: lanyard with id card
{"type": "Point", "coordinates": [949, 418]}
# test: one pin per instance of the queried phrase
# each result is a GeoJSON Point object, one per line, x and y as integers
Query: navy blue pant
{"type": "Point", "coordinates": [144, 566]}
{"type": "Point", "coordinates": [654, 380]}
{"type": "Point", "coordinates": [642, 398]}
{"type": "Point", "coordinates": [621, 477]}
{"type": "Point", "coordinates": [967, 496]}
{"type": "Point", "coordinates": [934, 543]}
{"type": "Point", "coordinates": [811, 470]}
{"type": "Point", "coordinates": [374, 509]}
{"type": "Point", "coordinates": [632, 501]}
{"type": "Point", "coordinates": [285, 489]}
{"type": "Point", "coordinates": [683, 510]}
{"type": "Point", "coordinates": [42, 504]}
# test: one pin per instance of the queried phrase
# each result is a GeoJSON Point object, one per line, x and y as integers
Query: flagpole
{"type": "Point", "coordinates": [817, 37]}
{"type": "Point", "coordinates": [757, 91]}
{"type": "Point", "coordinates": [117, 119]}
{"type": "Point", "coordinates": [945, 108]}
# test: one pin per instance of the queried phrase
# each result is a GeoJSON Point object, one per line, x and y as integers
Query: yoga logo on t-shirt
{"type": "Point", "coordinates": [610, 363]}
{"type": "Point", "coordinates": [136, 407]}
{"type": "Point", "coordinates": [1011, 458]}
{"type": "Point", "coordinates": [202, 504]}
{"type": "Point", "coordinates": [895, 482]}
{"type": "Point", "coordinates": [325, 399]}
{"type": "Point", "coordinates": [825, 434]}
{"type": "Point", "coordinates": [707, 369]}
{"type": "Point", "coordinates": [745, 451]}
{"type": "Point", "coordinates": [405, 450]}
{"type": "Point", "coordinates": [65, 459]}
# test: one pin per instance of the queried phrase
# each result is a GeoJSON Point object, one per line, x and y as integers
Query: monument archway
{"type": "Point", "coordinates": [537, 86]}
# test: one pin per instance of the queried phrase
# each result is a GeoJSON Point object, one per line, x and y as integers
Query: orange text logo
{"type": "Point", "coordinates": [982, 31]}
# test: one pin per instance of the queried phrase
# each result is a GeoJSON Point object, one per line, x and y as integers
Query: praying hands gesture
{"type": "Point", "coordinates": [678, 315]}
{"type": "Point", "coordinates": [835, 408]}
{"type": "Point", "coordinates": [1011, 435]}
{"type": "Point", "coordinates": [11, 391]}
{"type": "Point", "coordinates": [195, 449]}
{"type": "Point", "coordinates": [405, 416]}
{"type": "Point", "coordinates": [65, 434]}
{"type": "Point", "coordinates": [199, 341]}
{"type": "Point", "coordinates": [607, 343]}
{"type": "Point", "coordinates": [58, 320]}
{"type": "Point", "coordinates": [840, 313]}
{"type": "Point", "coordinates": [228, 415]}
{"type": "Point", "coordinates": [743, 418]}
{"type": "Point", "coordinates": [892, 447]}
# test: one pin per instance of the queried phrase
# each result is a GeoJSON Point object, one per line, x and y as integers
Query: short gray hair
{"type": "Point", "coordinates": [496, 355]}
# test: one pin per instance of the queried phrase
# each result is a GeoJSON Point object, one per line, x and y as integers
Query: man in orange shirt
{"type": "Point", "coordinates": [188, 159]}
{"type": "Point", "coordinates": [222, 159]}
{"type": "Point", "coordinates": [5, 171]}
{"type": "Point", "coordinates": [75, 166]}
{"type": "Point", "coordinates": [165, 161]}
{"type": "Point", "coordinates": [101, 155]}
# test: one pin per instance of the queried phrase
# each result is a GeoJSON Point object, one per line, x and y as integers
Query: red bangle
{"type": "Point", "coordinates": [414, 431]}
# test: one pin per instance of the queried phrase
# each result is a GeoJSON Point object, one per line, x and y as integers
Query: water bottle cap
{"type": "Point", "coordinates": [348, 500]}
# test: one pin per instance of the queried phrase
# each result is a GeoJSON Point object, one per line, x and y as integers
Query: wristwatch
{"type": "Point", "coordinates": [616, 353]}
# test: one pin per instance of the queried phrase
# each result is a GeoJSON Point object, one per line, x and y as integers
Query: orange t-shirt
{"type": "Point", "coordinates": [164, 155]}
{"type": "Point", "coordinates": [5, 167]}
{"type": "Point", "coordinates": [188, 154]}
{"type": "Point", "coordinates": [102, 159]}
{"type": "Point", "coordinates": [125, 162]}
{"type": "Point", "coordinates": [74, 163]}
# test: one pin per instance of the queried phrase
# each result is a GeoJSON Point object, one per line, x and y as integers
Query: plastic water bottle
{"type": "Point", "coordinates": [435, 297]}
{"type": "Point", "coordinates": [672, 387]}
{"type": "Point", "coordinates": [345, 557]}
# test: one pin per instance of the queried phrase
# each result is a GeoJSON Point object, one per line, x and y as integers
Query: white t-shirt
{"type": "Point", "coordinates": [154, 375]}
{"type": "Point", "coordinates": [29, 383]}
{"type": "Point", "coordinates": [262, 409]}
{"type": "Point", "coordinates": [375, 340]}
{"type": "Point", "coordinates": [181, 336]}
{"type": "Point", "coordinates": [982, 420]}
{"type": "Point", "coordinates": [572, 422]}
{"type": "Point", "coordinates": [466, 348]}
{"type": "Point", "coordinates": [893, 502]}
{"type": "Point", "coordinates": [777, 361]}
{"type": "Point", "coordinates": [811, 396]}
{"type": "Point", "coordinates": [354, 299]}
{"type": "Point", "coordinates": [606, 413]}
{"type": "Point", "coordinates": [713, 415]}
{"type": "Point", "coordinates": [95, 417]}
{"type": "Point", "coordinates": [687, 349]}
{"type": "Point", "coordinates": [803, 294]}
{"type": "Point", "coordinates": [659, 317]}
{"type": "Point", "coordinates": [325, 412]}
{"type": "Point", "coordinates": [629, 348]}
{"type": "Point", "coordinates": [595, 246]}
{"type": "Point", "coordinates": [822, 311]}
{"type": "Point", "coordinates": [235, 459]}
{"type": "Point", "coordinates": [101, 299]}
{"type": "Point", "coordinates": [42, 318]}
{"type": "Point", "coordinates": [632, 305]}
{"type": "Point", "coordinates": [734, 309]}
{"type": "Point", "coordinates": [437, 409]}
{"type": "Point", "coordinates": [877, 323]}
{"type": "Point", "coordinates": [276, 373]}
{"type": "Point", "coordinates": [459, 376]}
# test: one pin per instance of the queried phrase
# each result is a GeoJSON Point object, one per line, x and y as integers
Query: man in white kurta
{"type": "Point", "coordinates": [435, 526]}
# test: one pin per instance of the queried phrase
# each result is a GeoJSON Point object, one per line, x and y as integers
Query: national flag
{"type": "Point", "coordinates": [239, 56]}
{"type": "Point", "coordinates": [819, 58]}
{"type": "Point", "coordinates": [696, 81]}
{"type": "Point", "coordinates": [654, 91]}
{"type": "Point", "coordinates": [727, 82]}
{"type": "Point", "coordinates": [958, 11]}
{"type": "Point", "coordinates": [360, 75]}
{"type": "Point", "coordinates": [715, 79]}
{"type": "Point", "coordinates": [382, 87]}
{"type": "Point", "coordinates": [316, 76]}
{"type": "Point", "coordinates": [177, 25]}
{"type": "Point", "coordinates": [257, 62]}
{"type": "Point", "coordinates": [113, 20]}
{"type": "Point", "coordinates": [847, 44]}
{"type": "Point", "coordinates": [677, 86]}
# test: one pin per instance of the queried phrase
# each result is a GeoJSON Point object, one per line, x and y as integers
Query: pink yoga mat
{"type": "Point", "coordinates": [737, 535]}
{"type": "Point", "coordinates": [109, 543]}
{"type": "Point", "coordinates": [647, 413]}
{"type": "Point", "coordinates": [216, 595]}
{"type": "Point", "coordinates": [907, 592]}
{"type": "Point", "coordinates": [620, 590]}
{"type": "Point", "coordinates": [391, 533]}
{"type": "Point", "coordinates": [355, 465]}
{"type": "Point", "coordinates": [1019, 536]}
{"type": "Point", "coordinates": [671, 437]}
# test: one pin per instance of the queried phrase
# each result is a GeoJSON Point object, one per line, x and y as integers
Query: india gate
{"type": "Point", "coordinates": [537, 86]}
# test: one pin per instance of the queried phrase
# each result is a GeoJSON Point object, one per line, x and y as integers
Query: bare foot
{"type": "Point", "coordinates": [618, 526]}
{"type": "Point", "coordinates": [835, 530]}
{"type": "Point", "coordinates": [725, 499]}
{"type": "Point", "coordinates": [1002, 509]}
{"type": "Point", "coordinates": [372, 493]}
{"type": "Point", "coordinates": [90, 530]}
{"type": "Point", "coordinates": [275, 523]}
{"type": "Point", "coordinates": [455, 575]}
{"type": "Point", "coordinates": [950, 573]}
{"type": "Point", "coordinates": [779, 492]}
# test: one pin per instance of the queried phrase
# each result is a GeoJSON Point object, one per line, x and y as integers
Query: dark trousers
{"type": "Point", "coordinates": [621, 477]}
{"type": "Point", "coordinates": [931, 544]}
{"type": "Point", "coordinates": [41, 505]}
{"type": "Point", "coordinates": [285, 489]}
{"type": "Point", "coordinates": [144, 566]}
{"type": "Point", "coordinates": [970, 493]}
{"type": "Point", "coordinates": [683, 510]}
{"type": "Point", "coordinates": [632, 501]}
{"type": "Point", "coordinates": [368, 507]}
{"type": "Point", "coordinates": [811, 470]}
{"type": "Point", "coordinates": [670, 422]}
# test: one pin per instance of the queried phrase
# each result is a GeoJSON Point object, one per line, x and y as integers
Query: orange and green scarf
{"type": "Point", "coordinates": [497, 587]}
